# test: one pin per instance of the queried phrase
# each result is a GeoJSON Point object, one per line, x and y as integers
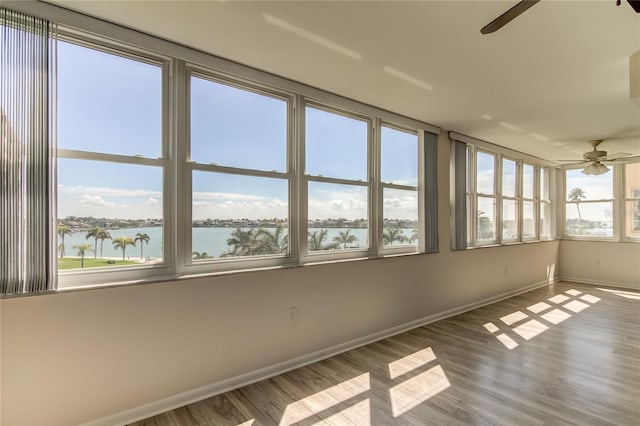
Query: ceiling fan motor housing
{"type": "Point", "coordinates": [594, 155]}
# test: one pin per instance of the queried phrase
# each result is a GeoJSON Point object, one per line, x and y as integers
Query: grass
{"type": "Point", "coordinates": [75, 263]}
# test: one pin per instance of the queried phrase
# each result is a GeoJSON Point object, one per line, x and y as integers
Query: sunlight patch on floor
{"type": "Point", "coordinates": [556, 316]}
{"type": "Point", "coordinates": [575, 306]}
{"type": "Point", "coordinates": [622, 293]}
{"type": "Point", "coordinates": [417, 390]}
{"type": "Point", "coordinates": [491, 327]}
{"type": "Point", "coordinates": [573, 292]}
{"type": "Point", "coordinates": [514, 317]}
{"type": "Point", "coordinates": [411, 362]}
{"type": "Point", "coordinates": [323, 400]}
{"type": "Point", "coordinates": [589, 298]}
{"type": "Point", "coordinates": [357, 414]}
{"type": "Point", "coordinates": [539, 307]}
{"type": "Point", "coordinates": [558, 298]}
{"type": "Point", "coordinates": [507, 341]}
{"type": "Point", "coordinates": [530, 329]}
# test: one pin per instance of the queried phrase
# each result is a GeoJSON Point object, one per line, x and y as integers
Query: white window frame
{"type": "Point", "coordinates": [381, 186]}
{"type": "Point", "coordinates": [544, 204]}
{"type": "Point", "coordinates": [625, 200]}
{"type": "Point", "coordinates": [472, 194]}
{"type": "Point", "coordinates": [94, 276]}
{"type": "Point", "coordinates": [615, 206]}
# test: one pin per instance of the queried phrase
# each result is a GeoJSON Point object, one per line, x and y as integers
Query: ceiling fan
{"type": "Point", "coordinates": [523, 6]}
{"type": "Point", "coordinates": [596, 161]}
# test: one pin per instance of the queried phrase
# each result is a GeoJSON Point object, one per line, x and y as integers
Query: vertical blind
{"type": "Point", "coordinates": [26, 155]}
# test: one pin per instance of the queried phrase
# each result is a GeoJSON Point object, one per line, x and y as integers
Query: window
{"type": "Point", "coordinates": [240, 181]}
{"type": "Point", "coordinates": [165, 167]}
{"type": "Point", "coordinates": [510, 201]}
{"type": "Point", "coordinates": [529, 202]}
{"type": "Point", "coordinates": [544, 205]}
{"type": "Point", "coordinates": [337, 172]}
{"type": "Point", "coordinates": [399, 177]}
{"type": "Point", "coordinates": [632, 200]}
{"type": "Point", "coordinates": [485, 179]}
{"type": "Point", "coordinates": [505, 190]}
{"type": "Point", "coordinates": [589, 204]}
{"type": "Point", "coordinates": [110, 194]}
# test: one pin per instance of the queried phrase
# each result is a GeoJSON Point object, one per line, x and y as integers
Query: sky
{"type": "Point", "coordinates": [110, 104]}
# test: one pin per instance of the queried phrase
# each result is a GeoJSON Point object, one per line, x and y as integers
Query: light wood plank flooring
{"type": "Point", "coordinates": [566, 354]}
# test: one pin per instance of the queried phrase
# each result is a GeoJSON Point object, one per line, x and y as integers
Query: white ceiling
{"type": "Point", "coordinates": [554, 78]}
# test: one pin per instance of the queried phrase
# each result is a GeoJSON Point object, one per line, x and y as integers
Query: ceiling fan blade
{"type": "Point", "coordinates": [635, 4]}
{"type": "Point", "coordinates": [615, 156]}
{"type": "Point", "coordinates": [572, 162]}
{"type": "Point", "coordinates": [508, 16]}
{"type": "Point", "coordinates": [621, 159]}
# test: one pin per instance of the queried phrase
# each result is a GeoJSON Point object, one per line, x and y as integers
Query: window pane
{"type": "Point", "coordinates": [528, 219]}
{"type": "Point", "coordinates": [337, 217]}
{"type": "Point", "coordinates": [544, 184]}
{"type": "Point", "coordinates": [545, 220]}
{"type": "Point", "coordinates": [508, 177]}
{"type": "Point", "coordinates": [237, 128]}
{"type": "Point", "coordinates": [107, 103]}
{"type": "Point", "coordinates": [486, 219]}
{"type": "Point", "coordinates": [235, 215]}
{"type": "Point", "coordinates": [485, 176]}
{"type": "Point", "coordinates": [102, 209]}
{"type": "Point", "coordinates": [399, 157]}
{"type": "Point", "coordinates": [589, 187]}
{"type": "Point", "coordinates": [589, 219]}
{"type": "Point", "coordinates": [632, 180]}
{"type": "Point", "coordinates": [336, 146]}
{"type": "Point", "coordinates": [400, 226]}
{"type": "Point", "coordinates": [528, 183]}
{"type": "Point", "coordinates": [509, 220]}
{"type": "Point", "coordinates": [632, 225]}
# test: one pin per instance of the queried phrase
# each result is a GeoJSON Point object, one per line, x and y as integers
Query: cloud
{"type": "Point", "coordinates": [96, 201]}
{"type": "Point", "coordinates": [227, 196]}
{"type": "Point", "coordinates": [103, 190]}
{"type": "Point", "coordinates": [152, 202]}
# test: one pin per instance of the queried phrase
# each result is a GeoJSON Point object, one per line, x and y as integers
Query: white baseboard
{"type": "Point", "coordinates": [581, 280]}
{"type": "Point", "coordinates": [198, 394]}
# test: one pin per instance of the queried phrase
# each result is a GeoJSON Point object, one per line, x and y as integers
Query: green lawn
{"type": "Point", "coordinates": [74, 263]}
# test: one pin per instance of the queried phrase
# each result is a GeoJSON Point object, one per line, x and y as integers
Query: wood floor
{"type": "Point", "coordinates": [566, 354]}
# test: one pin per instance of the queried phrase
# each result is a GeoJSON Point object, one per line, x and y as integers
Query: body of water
{"type": "Point", "coordinates": [213, 241]}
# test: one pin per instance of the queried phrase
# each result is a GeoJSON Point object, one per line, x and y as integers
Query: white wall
{"type": "Point", "coordinates": [616, 264]}
{"type": "Point", "coordinates": [77, 356]}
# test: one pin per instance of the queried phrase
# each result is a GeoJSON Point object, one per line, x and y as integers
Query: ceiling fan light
{"type": "Point", "coordinates": [595, 168]}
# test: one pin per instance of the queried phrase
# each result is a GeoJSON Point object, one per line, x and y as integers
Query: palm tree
{"type": "Point", "coordinates": [316, 241]}
{"type": "Point", "coordinates": [94, 233]}
{"type": "Point", "coordinates": [389, 235]}
{"type": "Point", "coordinates": [62, 231]}
{"type": "Point", "coordinates": [143, 238]}
{"type": "Point", "coordinates": [271, 242]}
{"type": "Point", "coordinates": [415, 236]}
{"type": "Point", "coordinates": [485, 226]}
{"type": "Point", "coordinates": [198, 255]}
{"type": "Point", "coordinates": [122, 243]}
{"type": "Point", "coordinates": [103, 235]}
{"type": "Point", "coordinates": [345, 238]}
{"type": "Point", "coordinates": [577, 194]}
{"type": "Point", "coordinates": [82, 249]}
{"type": "Point", "coordinates": [243, 242]}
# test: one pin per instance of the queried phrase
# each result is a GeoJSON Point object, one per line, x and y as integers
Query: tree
{"type": "Point", "coordinates": [485, 226]}
{"type": "Point", "coordinates": [345, 238]}
{"type": "Point", "coordinates": [62, 231]}
{"type": "Point", "coordinates": [94, 233]}
{"type": "Point", "coordinates": [316, 241]}
{"type": "Point", "coordinates": [268, 242]}
{"type": "Point", "coordinates": [122, 243]}
{"type": "Point", "coordinates": [415, 235]}
{"type": "Point", "coordinates": [243, 242]}
{"type": "Point", "coordinates": [577, 194]}
{"type": "Point", "coordinates": [82, 249]}
{"type": "Point", "coordinates": [198, 255]}
{"type": "Point", "coordinates": [103, 235]}
{"type": "Point", "coordinates": [389, 235]}
{"type": "Point", "coordinates": [143, 238]}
